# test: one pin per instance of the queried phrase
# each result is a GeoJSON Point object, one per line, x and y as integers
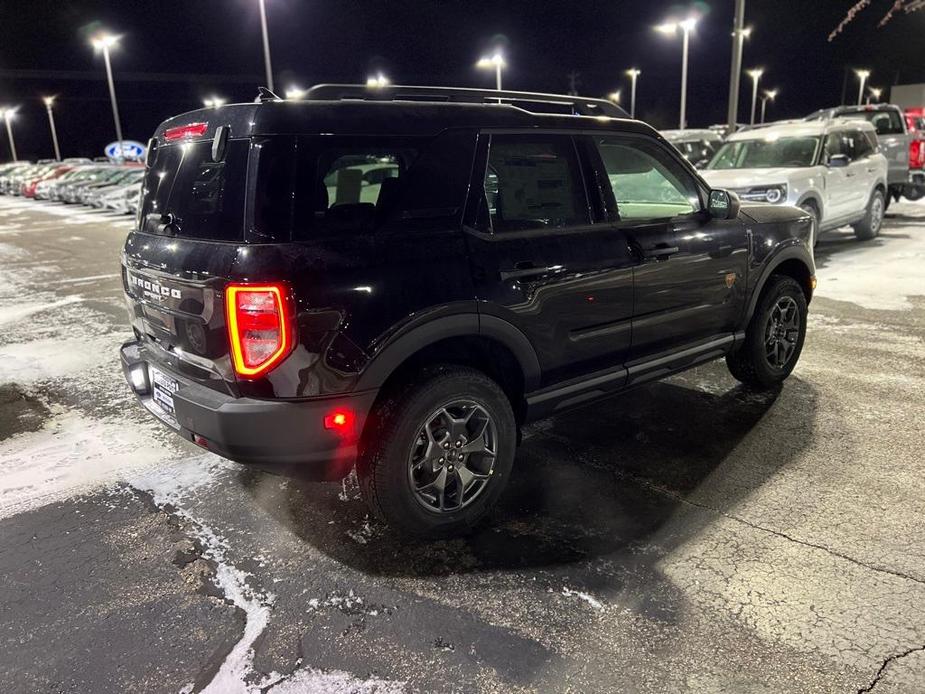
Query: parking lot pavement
{"type": "Point", "coordinates": [689, 536]}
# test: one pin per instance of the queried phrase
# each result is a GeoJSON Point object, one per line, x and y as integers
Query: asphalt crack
{"type": "Point", "coordinates": [885, 665]}
{"type": "Point", "coordinates": [675, 496]}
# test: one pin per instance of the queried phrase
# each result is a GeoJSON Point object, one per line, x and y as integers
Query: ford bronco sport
{"type": "Point", "coordinates": [398, 279]}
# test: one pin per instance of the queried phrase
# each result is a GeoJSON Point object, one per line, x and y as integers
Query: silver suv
{"type": "Point", "coordinates": [832, 169]}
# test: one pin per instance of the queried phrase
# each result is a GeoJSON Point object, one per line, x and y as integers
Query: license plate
{"type": "Point", "coordinates": [163, 388]}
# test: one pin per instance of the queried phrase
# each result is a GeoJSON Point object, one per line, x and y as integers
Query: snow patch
{"type": "Point", "coordinates": [71, 454]}
{"type": "Point", "coordinates": [591, 600]}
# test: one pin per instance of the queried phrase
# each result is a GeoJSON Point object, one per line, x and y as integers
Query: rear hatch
{"type": "Point", "coordinates": [190, 228]}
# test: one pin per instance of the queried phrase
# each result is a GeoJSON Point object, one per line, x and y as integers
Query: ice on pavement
{"type": "Point", "coordinates": [856, 272]}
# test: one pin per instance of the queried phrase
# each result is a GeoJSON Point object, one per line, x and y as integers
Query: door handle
{"type": "Point", "coordinates": [528, 269]}
{"type": "Point", "coordinates": [659, 252]}
{"type": "Point", "coordinates": [850, 175]}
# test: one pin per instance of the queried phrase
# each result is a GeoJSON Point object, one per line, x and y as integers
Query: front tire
{"type": "Point", "coordinates": [775, 335]}
{"type": "Point", "coordinates": [869, 227]}
{"type": "Point", "coordinates": [439, 454]}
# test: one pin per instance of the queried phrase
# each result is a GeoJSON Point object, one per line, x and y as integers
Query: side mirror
{"type": "Point", "coordinates": [724, 204]}
{"type": "Point", "coordinates": [838, 161]}
{"type": "Point", "coordinates": [702, 164]}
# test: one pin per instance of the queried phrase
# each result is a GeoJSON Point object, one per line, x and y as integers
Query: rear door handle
{"type": "Point", "coordinates": [660, 252]}
{"type": "Point", "coordinates": [528, 269]}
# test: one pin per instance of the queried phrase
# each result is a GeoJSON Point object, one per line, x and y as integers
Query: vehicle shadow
{"type": "Point", "coordinates": [597, 483]}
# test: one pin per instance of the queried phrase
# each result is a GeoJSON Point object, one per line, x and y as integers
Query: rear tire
{"type": "Point", "coordinates": [869, 227]}
{"type": "Point", "coordinates": [775, 335]}
{"type": "Point", "coordinates": [432, 474]}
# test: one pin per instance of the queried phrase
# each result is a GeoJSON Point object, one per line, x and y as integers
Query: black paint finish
{"type": "Point", "coordinates": [582, 311]}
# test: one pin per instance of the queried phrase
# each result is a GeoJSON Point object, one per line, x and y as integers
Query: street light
{"type": "Point", "coordinates": [686, 26]}
{"type": "Point", "coordinates": [103, 43]}
{"type": "Point", "coordinates": [755, 75]}
{"type": "Point", "coordinates": [769, 95]}
{"type": "Point", "coordinates": [49, 100]}
{"type": "Point", "coordinates": [875, 93]}
{"type": "Point", "coordinates": [614, 96]}
{"type": "Point", "coordinates": [377, 81]}
{"type": "Point", "coordinates": [862, 75]}
{"type": "Point", "coordinates": [634, 75]}
{"type": "Point", "coordinates": [739, 33]}
{"type": "Point", "coordinates": [214, 102]}
{"type": "Point", "coordinates": [266, 44]}
{"type": "Point", "coordinates": [494, 62]}
{"type": "Point", "coordinates": [294, 93]}
{"type": "Point", "coordinates": [7, 115]}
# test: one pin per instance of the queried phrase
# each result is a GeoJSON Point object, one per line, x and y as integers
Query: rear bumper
{"type": "Point", "coordinates": [261, 432]}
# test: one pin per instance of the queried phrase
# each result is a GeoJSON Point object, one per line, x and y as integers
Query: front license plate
{"type": "Point", "coordinates": [163, 388]}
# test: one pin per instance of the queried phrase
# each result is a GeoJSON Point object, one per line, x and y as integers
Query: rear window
{"type": "Point", "coordinates": [187, 194]}
{"type": "Point", "coordinates": [886, 122]}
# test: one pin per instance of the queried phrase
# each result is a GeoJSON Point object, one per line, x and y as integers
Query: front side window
{"type": "Point", "coordinates": [834, 144]}
{"type": "Point", "coordinates": [646, 183]}
{"type": "Point", "coordinates": [857, 144]}
{"type": "Point", "coordinates": [766, 153]}
{"type": "Point", "coordinates": [534, 182]}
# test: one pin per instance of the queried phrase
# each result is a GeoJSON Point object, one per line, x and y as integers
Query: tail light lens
{"type": "Point", "coordinates": [181, 132]}
{"type": "Point", "coordinates": [917, 154]}
{"type": "Point", "coordinates": [259, 327]}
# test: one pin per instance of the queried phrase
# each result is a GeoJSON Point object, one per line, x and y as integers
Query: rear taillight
{"type": "Point", "coordinates": [259, 327]}
{"type": "Point", "coordinates": [181, 132]}
{"type": "Point", "coordinates": [917, 154]}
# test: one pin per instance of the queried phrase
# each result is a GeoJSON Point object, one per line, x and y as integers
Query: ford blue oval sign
{"type": "Point", "coordinates": [130, 150]}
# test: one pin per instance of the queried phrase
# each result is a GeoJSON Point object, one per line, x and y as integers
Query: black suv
{"type": "Point", "coordinates": [398, 279]}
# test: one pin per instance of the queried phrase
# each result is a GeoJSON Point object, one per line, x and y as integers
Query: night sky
{"type": "Point", "coordinates": [174, 53]}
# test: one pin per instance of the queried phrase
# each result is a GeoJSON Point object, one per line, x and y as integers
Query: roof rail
{"type": "Point", "coordinates": [578, 105]}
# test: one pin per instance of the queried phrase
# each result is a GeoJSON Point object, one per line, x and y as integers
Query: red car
{"type": "Point", "coordinates": [28, 188]}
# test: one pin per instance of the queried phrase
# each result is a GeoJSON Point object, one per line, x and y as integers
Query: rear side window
{"type": "Point", "coordinates": [358, 184]}
{"type": "Point", "coordinates": [187, 194]}
{"type": "Point", "coordinates": [534, 182]}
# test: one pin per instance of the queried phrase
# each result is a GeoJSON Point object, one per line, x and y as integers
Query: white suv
{"type": "Point", "coordinates": [831, 169]}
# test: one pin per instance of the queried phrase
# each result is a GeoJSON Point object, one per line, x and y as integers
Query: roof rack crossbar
{"type": "Point", "coordinates": [579, 105]}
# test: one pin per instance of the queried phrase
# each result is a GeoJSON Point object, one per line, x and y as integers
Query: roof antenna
{"type": "Point", "coordinates": [264, 94]}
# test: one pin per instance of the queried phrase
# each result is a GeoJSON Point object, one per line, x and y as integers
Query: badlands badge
{"type": "Point", "coordinates": [730, 279]}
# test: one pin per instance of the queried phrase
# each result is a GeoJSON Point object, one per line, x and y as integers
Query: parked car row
{"type": "Point", "coordinates": [102, 185]}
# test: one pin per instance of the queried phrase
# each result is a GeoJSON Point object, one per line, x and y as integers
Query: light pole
{"type": "Point", "coordinates": [103, 43]}
{"type": "Point", "coordinates": [494, 61]}
{"type": "Point", "coordinates": [266, 44]}
{"type": "Point", "coordinates": [862, 76]}
{"type": "Point", "coordinates": [755, 75]}
{"type": "Point", "coordinates": [739, 34]}
{"type": "Point", "coordinates": [49, 100]}
{"type": "Point", "coordinates": [634, 75]}
{"type": "Point", "coordinates": [7, 115]}
{"type": "Point", "coordinates": [686, 26]}
{"type": "Point", "coordinates": [377, 81]}
{"type": "Point", "coordinates": [213, 102]}
{"type": "Point", "coordinates": [769, 95]}
{"type": "Point", "coordinates": [294, 93]}
{"type": "Point", "coordinates": [875, 93]}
